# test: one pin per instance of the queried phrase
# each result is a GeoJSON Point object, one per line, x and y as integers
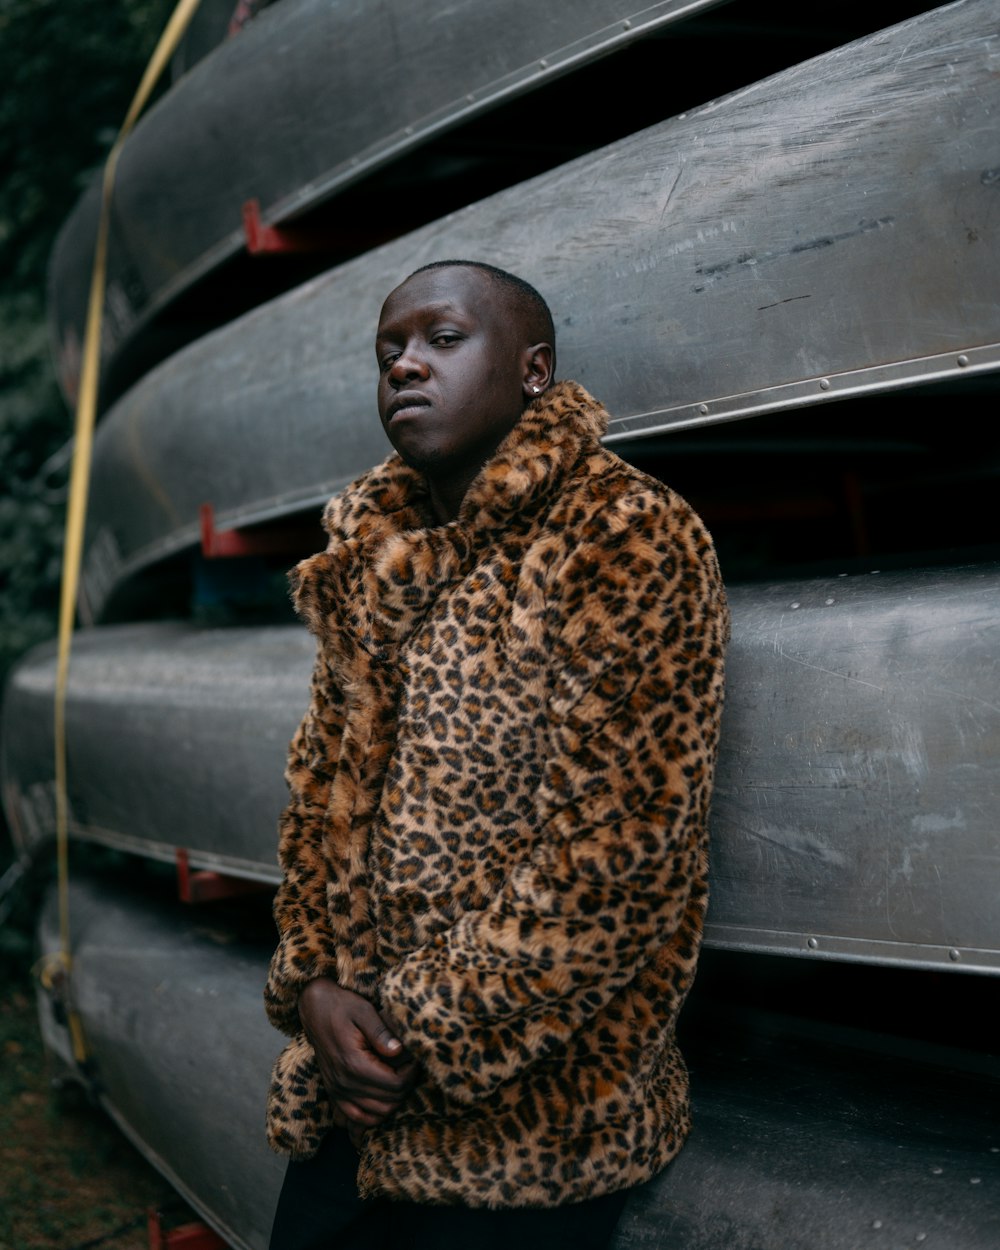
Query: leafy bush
{"type": "Point", "coordinates": [69, 69]}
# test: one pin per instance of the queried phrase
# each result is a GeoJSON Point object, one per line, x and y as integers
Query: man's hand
{"type": "Point", "coordinates": [366, 1071]}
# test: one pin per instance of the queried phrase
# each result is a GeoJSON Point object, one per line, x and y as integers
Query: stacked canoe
{"type": "Point", "coordinates": [825, 233]}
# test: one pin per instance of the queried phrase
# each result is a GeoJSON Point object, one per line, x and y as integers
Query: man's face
{"type": "Point", "coordinates": [451, 370]}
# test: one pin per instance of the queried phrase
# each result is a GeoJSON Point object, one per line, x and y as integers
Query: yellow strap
{"type": "Point", "coordinates": [76, 513]}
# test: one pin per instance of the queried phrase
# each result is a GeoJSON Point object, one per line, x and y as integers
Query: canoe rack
{"type": "Point", "coordinates": [280, 539]}
{"type": "Point", "coordinates": [204, 886]}
{"type": "Point", "coordinates": [264, 240]}
{"type": "Point", "coordinates": [192, 1236]}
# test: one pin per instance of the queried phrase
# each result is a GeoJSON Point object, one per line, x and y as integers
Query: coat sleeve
{"type": "Point", "coordinates": [638, 625]}
{"type": "Point", "coordinates": [306, 948]}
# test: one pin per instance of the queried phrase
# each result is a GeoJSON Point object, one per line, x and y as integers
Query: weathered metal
{"type": "Point", "coordinates": [176, 738]}
{"type": "Point", "coordinates": [855, 805]}
{"type": "Point", "coordinates": [173, 1019]}
{"type": "Point", "coordinates": [274, 116]}
{"type": "Point", "coordinates": [213, 22]}
{"type": "Point", "coordinates": [805, 1136]}
{"type": "Point", "coordinates": [826, 232]}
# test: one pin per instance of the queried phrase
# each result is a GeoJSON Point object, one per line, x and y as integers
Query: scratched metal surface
{"type": "Point", "coordinates": [831, 230]}
{"type": "Point", "coordinates": [213, 22]}
{"type": "Point", "coordinates": [308, 98]}
{"type": "Point", "coordinates": [172, 1010]}
{"type": "Point", "coordinates": [855, 807]}
{"type": "Point", "coordinates": [176, 738]}
{"type": "Point", "coordinates": [855, 812]}
{"type": "Point", "coordinates": [805, 1138]}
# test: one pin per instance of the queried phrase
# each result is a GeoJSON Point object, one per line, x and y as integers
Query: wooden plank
{"type": "Point", "coordinates": [828, 232]}
{"type": "Point", "coordinates": [855, 800]}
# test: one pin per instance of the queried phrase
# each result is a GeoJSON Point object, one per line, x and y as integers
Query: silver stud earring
{"type": "Point", "coordinates": [536, 389]}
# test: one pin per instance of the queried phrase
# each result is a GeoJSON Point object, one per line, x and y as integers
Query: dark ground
{"type": "Point", "coordinates": [69, 1179]}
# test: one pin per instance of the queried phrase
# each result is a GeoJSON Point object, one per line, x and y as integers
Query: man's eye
{"type": "Point", "coordinates": [385, 362]}
{"type": "Point", "coordinates": [445, 338]}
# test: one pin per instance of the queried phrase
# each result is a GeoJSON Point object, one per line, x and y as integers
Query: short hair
{"type": "Point", "coordinates": [535, 311]}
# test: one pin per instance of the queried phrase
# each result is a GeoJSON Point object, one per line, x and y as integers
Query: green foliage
{"type": "Point", "coordinates": [32, 428]}
{"type": "Point", "coordinates": [69, 69]}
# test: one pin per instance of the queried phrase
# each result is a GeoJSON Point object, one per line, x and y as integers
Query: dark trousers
{"type": "Point", "coordinates": [319, 1209]}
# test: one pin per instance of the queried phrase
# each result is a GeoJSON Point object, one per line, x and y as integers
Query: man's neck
{"type": "Point", "coordinates": [445, 496]}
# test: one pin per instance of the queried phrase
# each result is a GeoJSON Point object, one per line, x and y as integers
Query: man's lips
{"type": "Point", "coordinates": [407, 401]}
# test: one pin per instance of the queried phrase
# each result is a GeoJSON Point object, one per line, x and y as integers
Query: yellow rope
{"type": "Point", "coordinates": [86, 412]}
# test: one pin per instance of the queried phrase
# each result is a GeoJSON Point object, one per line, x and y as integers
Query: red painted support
{"type": "Point", "coordinates": [193, 1236]}
{"type": "Point", "coordinates": [265, 240]}
{"type": "Point", "coordinates": [277, 540]}
{"type": "Point", "coordinates": [201, 886]}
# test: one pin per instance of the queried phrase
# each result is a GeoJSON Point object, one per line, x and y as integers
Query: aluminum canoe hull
{"type": "Point", "coordinates": [171, 1007]}
{"type": "Point", "coordinates": [308, 98]}
{"type": "Point", "coordinates": [827, 232]}
{"type": "Point", "coordinates": [801, 1138]}
{"type": "Point", "coordinates": [854, 815]}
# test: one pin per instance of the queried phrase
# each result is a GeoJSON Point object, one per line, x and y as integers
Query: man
{"type": "Point", "coordinates": [495, 850]}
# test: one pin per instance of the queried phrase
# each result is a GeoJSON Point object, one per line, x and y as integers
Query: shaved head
{"type": "Point", "coordinates": [532, 314]}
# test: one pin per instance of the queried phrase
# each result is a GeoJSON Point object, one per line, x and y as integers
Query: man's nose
{"type": "Point", "coordinates": [409, 364]}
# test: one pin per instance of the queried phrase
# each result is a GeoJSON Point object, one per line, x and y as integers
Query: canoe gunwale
{"type": "Point", "coordinates": [542, 69]}
{"type": "Point", "coordinates": [863, 762]}
{"type": "Point", "coordinates": [842, 949]}
{"type": "Point", "coordinates": [657, 292]}
{"type": "Point", "coordinates": [623, 433]}
{"type": "Point", "coordinates": [874, 379]}
{"type": "Point", "coordinates": [545, 66]}
{"type": "Point", "coordinates": [830, 1127]}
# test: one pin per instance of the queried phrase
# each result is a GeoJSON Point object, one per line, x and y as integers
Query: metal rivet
{"type": "Point", "coordinates": [812, 943]}
{"type": "Point", "coordinates": [626, 25]}
{"type": "Point", "coordinates": [409, 130]}
{"type": "Point", "coordinates": [703, 409]}
{"type": "Point", "coordinates": [921, 1237]}
{"type": "Point", "coordinates": [470, 97]}
{"type": "Point", "coordinates": [975, 1180]}
{"type": "Point", "coordinates": [543, 63]}
{"type": "Point", "coordinates": [876, 1223]}
{"type": "Point", "coordinates": [824, 384]}
{"type": "Point", "coordinates": [937, 1171]}
{"type": "Point", "coordinates": [963, 361]}
{"type": "Point", "coordinates": [830, 602]}
{"type": "Point", "coordinates": [793, 606]}
{"type": "Point", "coordinates": [954, 956]}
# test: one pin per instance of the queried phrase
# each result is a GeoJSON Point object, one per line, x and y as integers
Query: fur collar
{"type": "Point", "coordinates": [386, 564]}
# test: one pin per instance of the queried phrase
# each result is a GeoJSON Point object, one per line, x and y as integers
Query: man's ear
{"type": "Point", "coordinates": [539, 362]}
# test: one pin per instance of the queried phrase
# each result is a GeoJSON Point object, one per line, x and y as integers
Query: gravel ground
{"type": "Point", "coordinates": [69, 1179]}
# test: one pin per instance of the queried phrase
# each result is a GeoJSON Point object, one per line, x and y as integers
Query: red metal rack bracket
{"type": "Point", "coordinates": [202, 886]}
{"type": "Point", "coordinates": [193, 1236]}
{"type": "Point", "coordinates": [263, 240]}
{"type": "Point", "coordinates": [276, 540]}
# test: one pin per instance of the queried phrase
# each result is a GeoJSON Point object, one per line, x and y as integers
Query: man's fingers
{"type": "Point", "coordinates": [363, 1077]}
{"type": "Point", "coordinates": [356, 1113]}
{"type": "Point", "coordinates": [365, 1074]}
{"type": "Point", "coordinates": [379, 1035]}
{"type": "Point", "coordinates": [385, 1043]}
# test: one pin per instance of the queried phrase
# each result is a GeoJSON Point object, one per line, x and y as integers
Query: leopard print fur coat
{"type": "Point", "coordinates": [497, 823]}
